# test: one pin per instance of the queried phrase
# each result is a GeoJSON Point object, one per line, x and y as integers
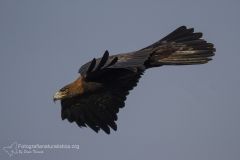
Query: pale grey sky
{"type": "Point", "coordinates": [175, 113]}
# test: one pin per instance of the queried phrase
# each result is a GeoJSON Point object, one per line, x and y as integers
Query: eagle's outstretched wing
{"type": "Point", "coordinates": [95, 69]}
{"type": "Point", "coordinates": [99, 109]}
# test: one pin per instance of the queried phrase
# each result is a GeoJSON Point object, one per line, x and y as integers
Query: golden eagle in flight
{"type": "Point", "coordinates": [94, 99]}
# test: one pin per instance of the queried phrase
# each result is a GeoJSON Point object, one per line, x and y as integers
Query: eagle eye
{"type": "Point", "coordinates": [64, 89]}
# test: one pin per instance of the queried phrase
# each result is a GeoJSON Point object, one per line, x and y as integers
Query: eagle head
{"type": "Point", "coordinates": [71, 90]}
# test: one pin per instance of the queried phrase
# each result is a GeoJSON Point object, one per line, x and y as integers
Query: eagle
{"type": "Point", "coordinates": [95, 97]}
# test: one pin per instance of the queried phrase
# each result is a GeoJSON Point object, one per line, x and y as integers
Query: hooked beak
{"type": "Point", "coordinates": [58, 96]}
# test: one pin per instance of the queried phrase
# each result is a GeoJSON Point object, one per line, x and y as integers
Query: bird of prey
{"type": "Point", "coordinates": [95, 97]}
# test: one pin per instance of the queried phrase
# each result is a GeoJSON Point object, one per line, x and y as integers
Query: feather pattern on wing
{"type": "Point", "coordinates": [99, 110]}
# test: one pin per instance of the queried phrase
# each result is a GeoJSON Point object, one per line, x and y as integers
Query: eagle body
{"type": "Point", "coordinates": [95, 97]}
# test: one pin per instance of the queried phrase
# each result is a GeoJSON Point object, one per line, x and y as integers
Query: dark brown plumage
{"type": "Point", "coordinates": [94, 99]}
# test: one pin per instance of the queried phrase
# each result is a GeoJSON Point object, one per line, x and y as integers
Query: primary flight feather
{"type": "Point", "coordinates": [94, 99]}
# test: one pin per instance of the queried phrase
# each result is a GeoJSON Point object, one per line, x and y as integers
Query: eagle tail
{"type": "Point", "coordinates": [181, 47]}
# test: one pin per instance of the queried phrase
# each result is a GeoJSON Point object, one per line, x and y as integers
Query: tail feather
{"type": "Point", "coordinates": [181, 47]}
{"type": "Point", "coordinates": [178, 33]}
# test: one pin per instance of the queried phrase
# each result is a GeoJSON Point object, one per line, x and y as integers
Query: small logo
{"type": "Point", "coordinates": [20, 149]}
{"type": "Point", "coordinates": [12, 149]}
